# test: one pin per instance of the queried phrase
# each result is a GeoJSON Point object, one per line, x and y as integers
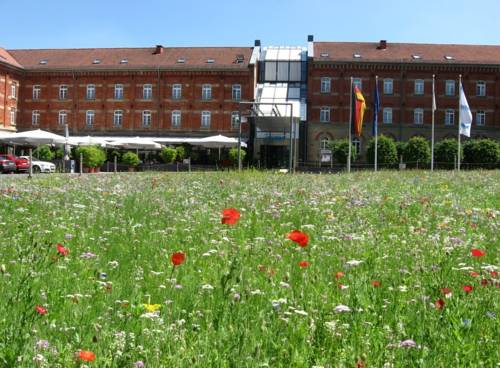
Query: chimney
{"type": "Point", "coordinates": [257, 43]}
{"type": "Point", "coordinates": [382, 45]}
{"type": "Point", "coordinates": [310, 38]}
{"type": "Point", "coordinates": [158, 50]}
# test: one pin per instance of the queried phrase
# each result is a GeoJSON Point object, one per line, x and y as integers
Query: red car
{"type": "Point", "coordinates": [6, 165]}
{"type": "Point", "coordinates": [22, 164]}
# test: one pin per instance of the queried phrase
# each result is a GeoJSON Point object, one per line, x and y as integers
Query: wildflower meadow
{"type": "Point", "coordinates": [388, 269]}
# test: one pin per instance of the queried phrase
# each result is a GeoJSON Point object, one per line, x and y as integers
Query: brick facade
{"type": "Point", "coordinates": [8, 103]}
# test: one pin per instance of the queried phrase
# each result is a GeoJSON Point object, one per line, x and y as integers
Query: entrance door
{"type": "Point", "coordinates": [274, 156]}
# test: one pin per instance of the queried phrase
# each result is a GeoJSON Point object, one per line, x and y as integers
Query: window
{"type": "Point", "coordinates": [146, 118]}
{"type": "Point", "coordinates": [118, 118]}
{"type": "Point", "coordinates": [326, 85]}
{"type": "Point", "coordinates": [177, 91]}
{"type": "Point", "coordinates": [63, 117]}
{"type": "Point", "coordinates": [324, 115]}
{"type": "Point", "coordinates": [176, 119]}
{"type": "Point", "coordinates": [449, 88]}
{"type": "Point", "coordinates": [12, 116]}
{"type": "Point", "coordinates": [205, 119]}
{"type": "Point", "coordinates": [35, 117]}
{"type": "Point", "coordinates": [419, 87]}
{"type": "Point", "coordinates": [480, 117]}
{"type": "Point", "coordinates": [388, 86]}
{"type": "Point", "coordinates": [323, 143]}
{"type": "Point", "coordinates": [13, 90]}
{"type": "Point", "coordinates": [118, 91]}
{"type": "Point", "coordinates": [356, 144]}
{"type": "Point", "coordinates": [481, 88]}
{"type": "Point", "coordinates": [37, 92]}
{"type": "Point", "coordinates": [235, 120]}
{"type": "Point", "coordinates": [418, 116]}
{"type": "Point", "coordinates": [387, 115]}
{"type": "Point", "coordinates": [147, 92]}
{"type": "Point", "coordinates": [206, 92]}
{"type": "Point", "coordinates": [449, 117]}
{"type": "Point", "coordinates": [357, 82]}
{"type": "Point", "coordinates": [236, 93]}
{"type": "Point", "coordinates": [90, 95]}
{"type": "Point", "coordinates": [63, 92]}
{"type": "Point", "coordinates": [89, 118]}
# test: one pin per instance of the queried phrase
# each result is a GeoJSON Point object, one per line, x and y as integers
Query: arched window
{"type": "Point", "coordinates": [323, 142]}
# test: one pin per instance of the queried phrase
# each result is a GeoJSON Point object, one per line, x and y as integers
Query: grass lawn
{"type": "Point", "coordinates": [399, 269]}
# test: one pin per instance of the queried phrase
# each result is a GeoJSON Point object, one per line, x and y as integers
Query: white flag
{"type": "Point", "coordinates": [464, 115]}
{"type": "Point", "coordinates": [433, 97]}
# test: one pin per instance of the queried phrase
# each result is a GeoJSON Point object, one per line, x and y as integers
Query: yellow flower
{"type": "Point", "coordinates": [152, 307]}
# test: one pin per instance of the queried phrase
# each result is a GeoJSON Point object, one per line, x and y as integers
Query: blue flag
{"type": "Point", "coordinates": [376, 108]}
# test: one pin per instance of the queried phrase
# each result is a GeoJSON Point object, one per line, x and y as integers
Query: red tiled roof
{"type": "Point", "coordinates": [110, 58]}
{"type": "Point", "coordinates": [403, 53]}
{"type": "Point", "coordinates": [6, 58]}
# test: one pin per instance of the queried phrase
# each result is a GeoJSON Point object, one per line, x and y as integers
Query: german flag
{"type": "Point", "coordinates": [359, 108]}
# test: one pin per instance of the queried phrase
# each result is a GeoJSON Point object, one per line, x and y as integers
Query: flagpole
{"type": "Point", "coordinates": [433, 112]}
{"type": "Point", "coordinates": [459, 113]}
{"type": "Point", "coordinates": [375, 121]}
{"type": "Point", "coordinates": [350, 123]}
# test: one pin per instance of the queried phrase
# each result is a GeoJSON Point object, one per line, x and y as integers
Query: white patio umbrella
{"type": "Point", "coordinates": [137, 143]}
{"type": "Point", "coordinates": [89, 141]}
{"type": "Point", "coordinates": [218, 141]}
{"type": "Point", "coordinates": [33, 138]}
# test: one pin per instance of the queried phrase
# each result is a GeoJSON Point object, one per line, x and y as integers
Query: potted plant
{"type": "Point", "coordinates": [168, 154]}
{"type": "Point", "coordinates": [93, 158]}
{"type": "Point", "coordinates": [131, 160]}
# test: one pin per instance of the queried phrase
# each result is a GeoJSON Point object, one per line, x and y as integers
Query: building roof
{"type": "Point", "coordinates": [406, 53]}
{"type": "Point", "coordinates": [134, 58]}
{"type": "Point", "coordinates": [6, 58]}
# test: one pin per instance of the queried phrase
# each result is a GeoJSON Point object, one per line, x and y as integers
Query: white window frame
{"type": "Point", "coordinates": [63, 92]}
{"type": "Point", "coordinates": [480, 88]}
{"type": "Point", "coordinates": [90, 92]}
{"type": "Point", "coordinates": [13, 90]}
{"type": "Point", "coordinates": [146, 118]}
{"type": "Point", "coordinates": [206, 119]}
{"type": "Point", "coordinates": [235, 120]}
{"type": "Point", "coordinates": [357, 82]}
{"type": "Point", "coordinates": [62, 117]}
{"type": "Point", "coordinates": [419, 87]}
{"type": "Point", "coordinates": [13, 116]}
{"type": "Point", "coordinates": [418, 116]}
{"type": "Point", "coordinates": [449, 87]}
{"type": "Point", "coordinates": [118, 118]}
{"type": "Point", "coordinates": [118, 94]}
{"type": "Point", "coordinates": [387, 115]}
{"type": "Point", "coordinates": [236, 92]}
{"type": "Point", "coordinates": [37, 92]}
{"type": "Point", "coordinates": [323, 142]}
{"type": "Point", "coordinates": [176, 91]}
{"type": "Point", "coordinates": [449, 117]}
{"type": "Point", "coordinates": [89, 118]}
{"type": "Point", "coordinates": [206, 92]}
{"type": "Point", "coordinates": [176, 118]}
{"type": "Point", "coordinates": [326, 85]}
{"type": "Point", "coordinates": [480, 118]}
{"type": "Point", "coordinates": [356, 142]}
{"type": "Point", "coordinates": [147, 92]}
{"type": "Point", "coordinates": [324, 114]}
{"type": "Point", "coordinates": [388, 86]}
{"type": "Point", "coordinates": [35, 117]}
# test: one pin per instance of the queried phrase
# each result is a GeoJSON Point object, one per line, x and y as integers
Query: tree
{"type": "Point", "coordinates": [92, 156]}
{"type": "Point", "coordinates": [400, 148]}
{"type": "Point", "coordinates": [417, 150]}
{"type": "Point", "coordinates": [386, 151]}
{"type": "Point", "coordinates": [180, 153]}
{"type": "Point", "coordinates": [168, 154]}
{"type": "Point", "coordinates": [340, 150]}
{"type": "Point", "coordinates": [478, 151]}
{"type": "Point", "coordinates": [446, 150]}
{"type": "Point", "coordinates": [233, 155]}
{"type": "Point", "coordinates": [130, 159]}
{"type": "Point", "coordinates": [44, 153]}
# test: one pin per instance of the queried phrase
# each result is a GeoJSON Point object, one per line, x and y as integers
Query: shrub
{"type": "Point", "coordinates": [386, 151]}
{"type": "Point", "coordinates": [400, 148]}
{"type": "Point", "coordinates": [233, 155]}
{"type": "Point", "coordinates": [130, 159]}
{"type": "Point", "coordinates": [168, 154]}
{"type": "Point", "coordinates": [92, 156]}
{"type": "Point", "coordinates": [180, 153]}
{"type": "Point", "coordinates": [340, 150]}
{"type": "Point", "coordinates": [59, 153]}
{"type": "Point", "coordinates": [485, 151]}
{"type": "Point", "coordinates": [417, 150]}
{"type": "Point", "coordinates": [445, 151]}
{"type": "Point", "coordinates": [44, 153]}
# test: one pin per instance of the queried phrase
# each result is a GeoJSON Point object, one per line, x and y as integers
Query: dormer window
{"type": "Point", "coordinates": [324, 54]}
{"type": "Point", "coordinates": [449, 57]}
{"type": "Point", "coordinates": [43, 62]}
{"type": "Point", "coordinates": [240, 59]}
{"type": "Point", "coordinates": [356, 56]}
{"type": "Point", "coordinates": [96, 61]}
{"type": "Point", "coordinates": [124, 61]}
{"type": "Point", "coordinates": [416, 57]}
{"type": "Point", "coordinates": [181, 61]}
{"type": "Point", "coordinates": [210, 61]}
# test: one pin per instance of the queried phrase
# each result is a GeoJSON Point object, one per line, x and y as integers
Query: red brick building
{"type": "Point", "coordinates": [10, 76]}
{"type": "Point", "coordinates": [405, 85]}
{"type": "Point", "coordinates": [133, 91]}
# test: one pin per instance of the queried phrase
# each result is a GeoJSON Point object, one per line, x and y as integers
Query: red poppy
{"type": "Point", "coordinates": [473, 273]}
{"type": "Point", "coordinates": [298, 237]}
{"type": "Point", "coordinates": [467, 288]}
{"type": "Point", "coordinates": [41, 310]}
{"type": "Point", "coordinates": [61, 250]}
{"type": "Point", "coordinates": [494, 274]}
{"type": "Point", "coordinates": [484, 282]}
{"type": "Point", "coordinates": [376, 283]}
{"type": "Point", "coordinates": [439, 304]}
{"type": "Point", "coordinates": [178, 258]}
{"type": "Point", "coordinates": [86, 356]}
{"type": "Point", "coordinates": [339, 274]}
{"type": "Point", "coordinates": [230, 216]}
{"type": "Point", "coordinates": [477, 253]}
{"type": "Point", "coordinates": [304, 264]}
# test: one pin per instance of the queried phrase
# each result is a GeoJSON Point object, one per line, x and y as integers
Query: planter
{"type": "Point", "coordinates": [131, 168]}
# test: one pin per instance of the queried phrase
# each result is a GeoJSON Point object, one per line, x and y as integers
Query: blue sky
{"type": "Point", "coordinates": [110, 23]}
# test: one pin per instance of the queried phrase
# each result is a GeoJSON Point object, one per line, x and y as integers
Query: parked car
{"type": "Point", "coordinates": [22, 164]}
{"type": "Point", "coordinates": [6, 165]}
{"type": "Point", "coordinates": [41, 166]}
